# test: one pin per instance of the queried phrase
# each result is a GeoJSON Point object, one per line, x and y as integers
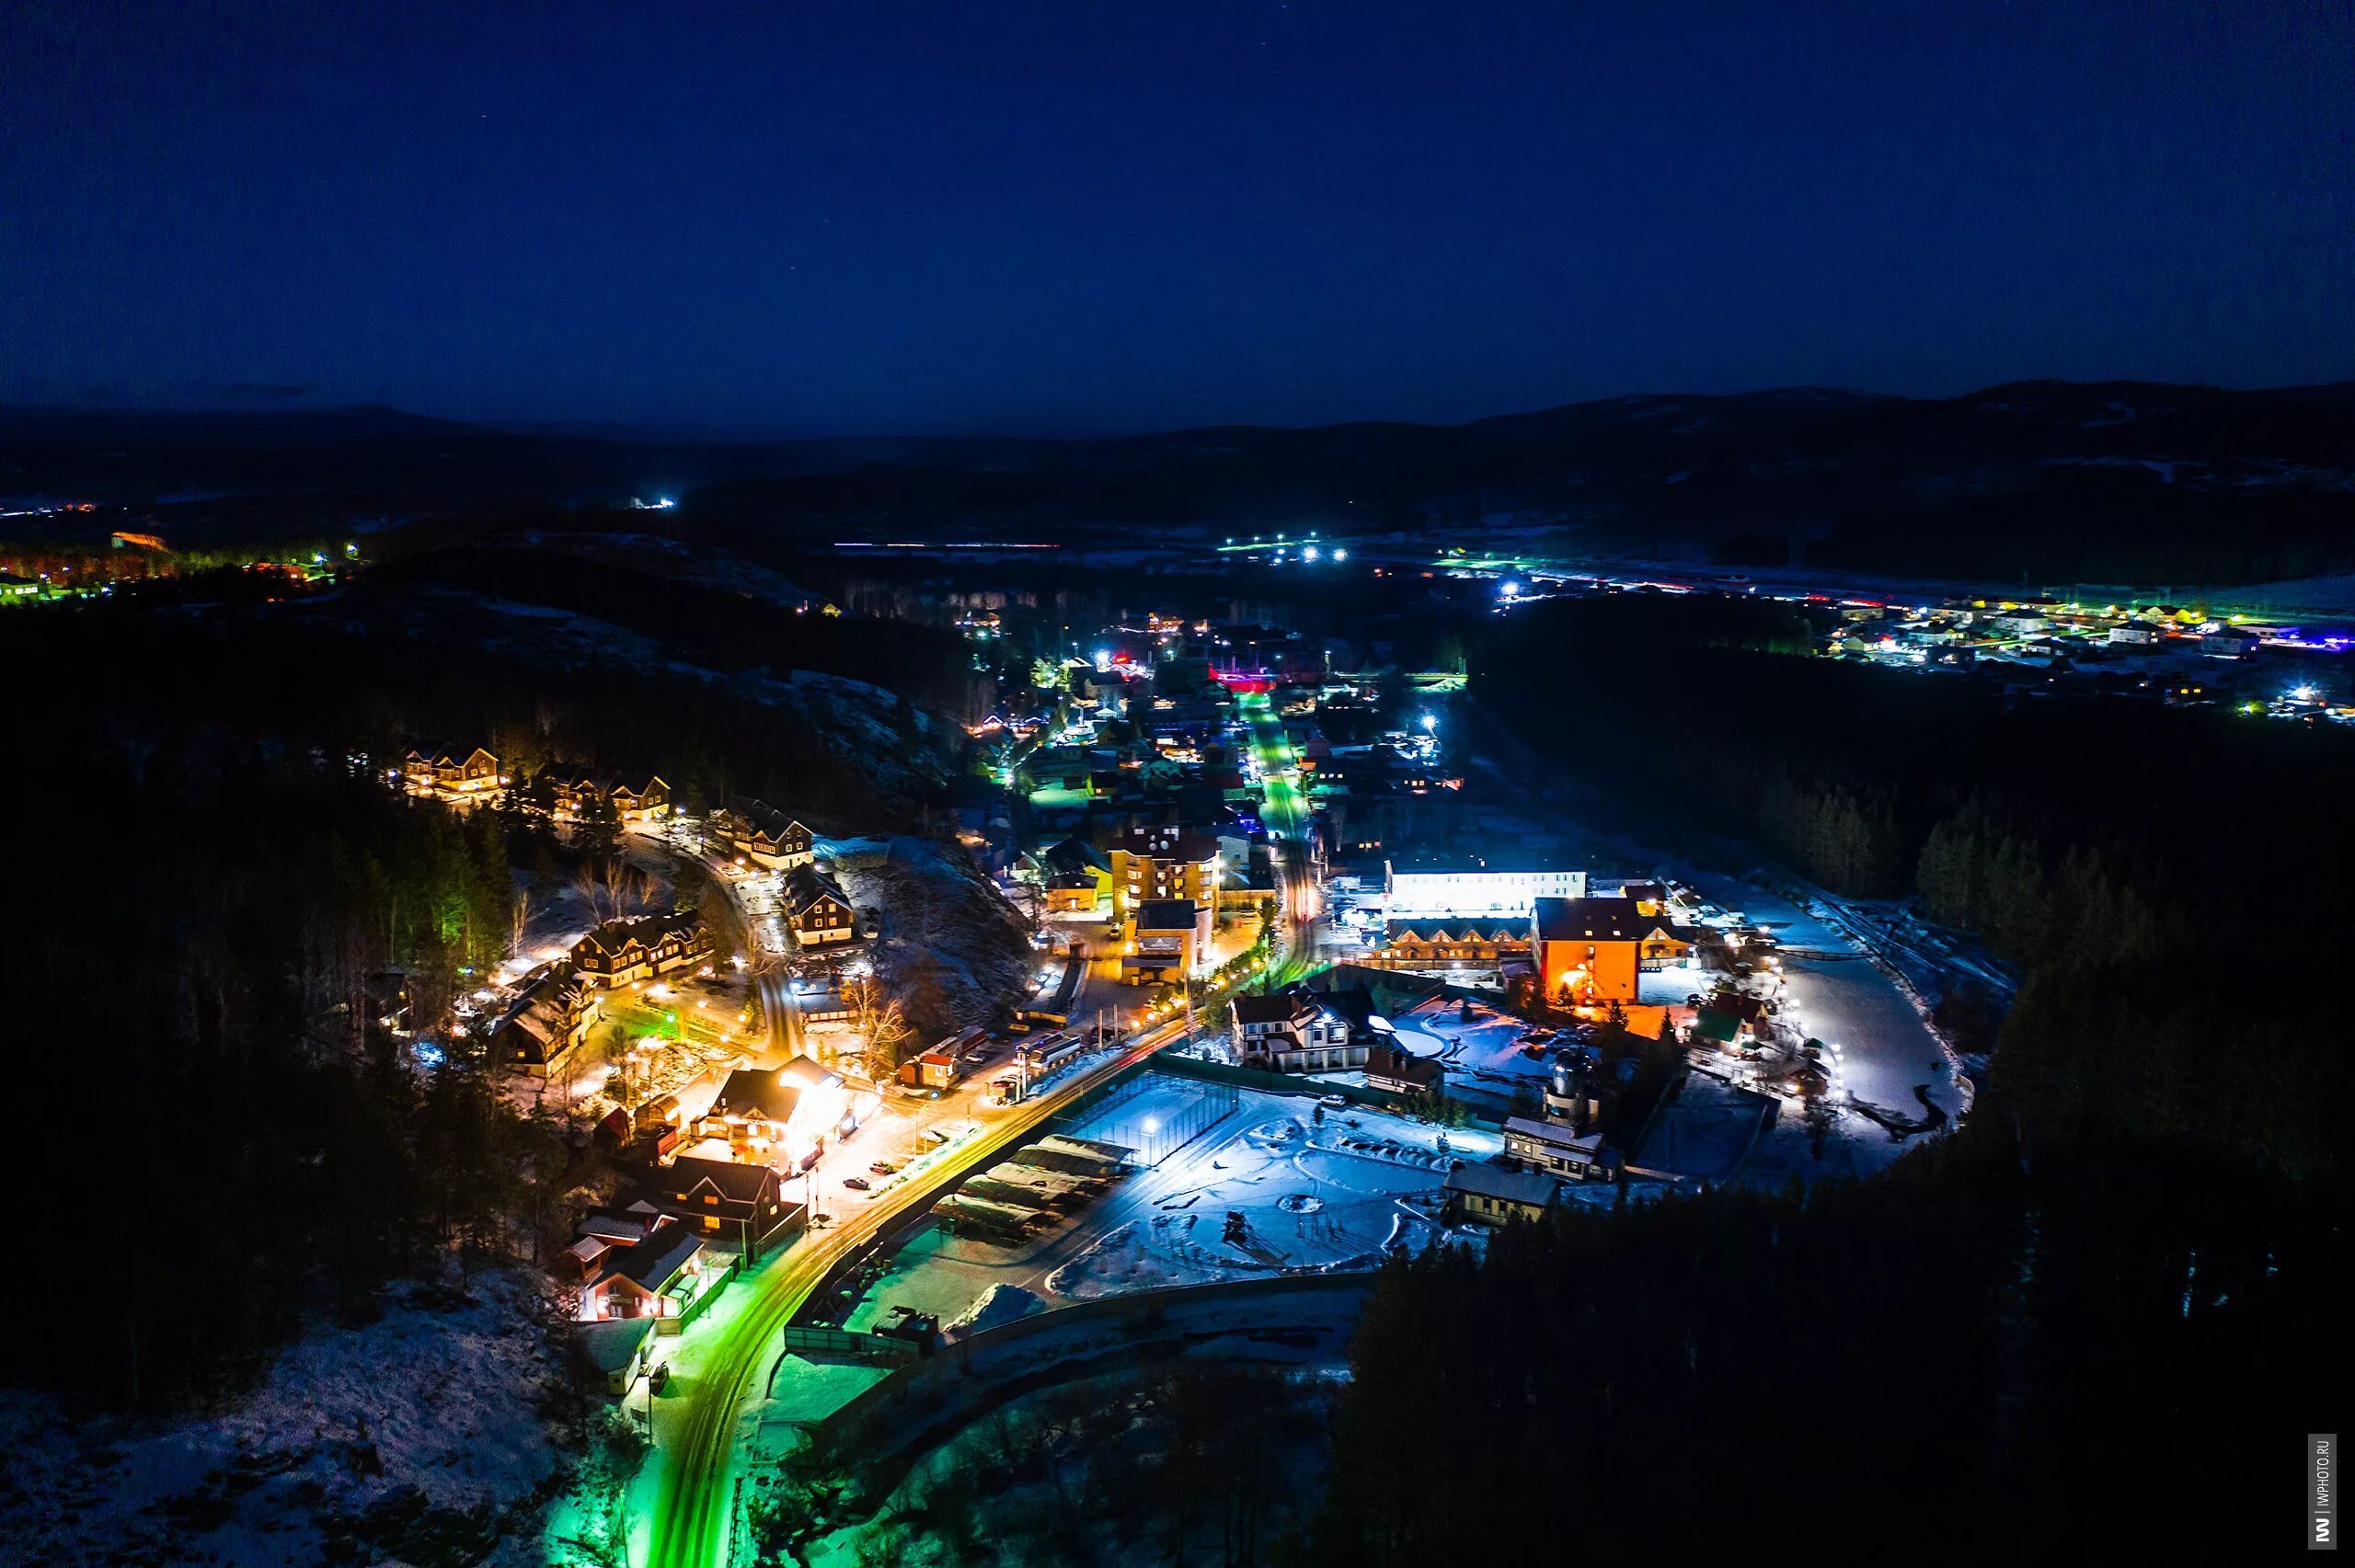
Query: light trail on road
{"type": "Point", "coordinates": [695, 1506]}
{"type": "Point", "coordinates": [1286, 813]}
{"type": "Point", "coordinates": [693, 1509]}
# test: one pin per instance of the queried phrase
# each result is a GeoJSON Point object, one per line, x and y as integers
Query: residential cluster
{"type": "Point", "coordinates": [704, 1187]}
{"type": "Point", "coordinates": [2177, 655]}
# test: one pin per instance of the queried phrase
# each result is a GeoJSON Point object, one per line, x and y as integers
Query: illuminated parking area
{"type": "Point", "coordinates": [1204, 1182]}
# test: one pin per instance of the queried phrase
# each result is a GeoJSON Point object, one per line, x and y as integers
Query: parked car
{"type": "Point", "coordinates": [856, 1183]}
{"type": "Point", "coordinates": [1333, 1099]}
{"type": "Point", "coordinates": [883, 1167]}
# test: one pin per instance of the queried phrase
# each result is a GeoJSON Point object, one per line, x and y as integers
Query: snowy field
{"type": "Point", "coordinates": [1475, 1042]}
{"type": "Point", "coordinates": [1327, 1196]}
{"type": "Point", "coordinates": [1708, 1132]}
{"type": "Point", "coordinates": [418, 1437]}
{"type": "Point", "coordinates": [1887, 1049]}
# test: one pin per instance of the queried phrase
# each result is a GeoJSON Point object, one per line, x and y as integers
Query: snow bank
{"type": "Point", "coordinates": [998, 1305]}
{"type": "Point", "coordinates": [418, 1437]}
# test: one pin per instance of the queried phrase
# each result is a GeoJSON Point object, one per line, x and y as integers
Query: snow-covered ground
{"type": "Point", "coordinates": [1484, 1046]}
{"type": "Point", "coordinates": [418, 1438]}
{"type": "Point", "coordinates": [1886, 1048]}
{"type": "Point", "coordinates": [852, 718]}
{"type": "Point", "coordinates": [703, 563]}
{"type": "Point", "coordinates": [942, 918]}
{"type": "Point", "coordinates": [1327, 1195]}
{"type": "Point", "coordinates": [1708, 1131]}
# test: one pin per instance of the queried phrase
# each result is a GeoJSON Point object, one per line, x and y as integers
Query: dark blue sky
{"type": "Point", "coordinates": [868, 215]}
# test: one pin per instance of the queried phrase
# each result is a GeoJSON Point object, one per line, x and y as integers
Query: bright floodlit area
{"type": "Point", "coordinates": [1317, 1187]}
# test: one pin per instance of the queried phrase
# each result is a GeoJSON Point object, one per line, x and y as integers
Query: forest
{"type": "Point", "coordinates": [2136, 862]}
{"type": "Point", "coordinates": [204, 958]}
{"type": "Point", "coordinates": [722, 630]}
{"type": "Point", "coordinates": [2110, 523]}
{"type": "Point", "coordinates": [2118, 1274]}
{"type": "Point", "coordinates": [1858, 1370]}
{"type": "Point", "coordinates": [215, 888]}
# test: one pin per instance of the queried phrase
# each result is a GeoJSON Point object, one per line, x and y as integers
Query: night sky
{"type": "Point", "coordinates": [1003, 216]}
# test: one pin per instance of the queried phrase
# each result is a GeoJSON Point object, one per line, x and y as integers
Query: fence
{"type": "Point", "coordinates": [1272, 1082]}
{"type": "Point", "coordinates": [812, 1341]}
{"type": "Point", "coordinates": [1153, 1135]}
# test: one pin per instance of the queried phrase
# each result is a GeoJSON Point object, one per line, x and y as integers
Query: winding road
{"type": "Point", "coordinates": [692, 1510]}
{"type": "Point", "coordinates": [694, 1507]}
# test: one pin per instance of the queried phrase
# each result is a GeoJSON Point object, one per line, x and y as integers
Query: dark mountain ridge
{"type": "Point", "coordinates": [2125, 480]}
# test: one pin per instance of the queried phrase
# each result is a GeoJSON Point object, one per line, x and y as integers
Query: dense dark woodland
{"type": "Point", "coordinates": [209, 881]}
{"type": "Point", "coordinates": [2110, 1299]}
{"type": "Point", "coordinates": [713, 627]}
{"type": "Point", "coordinates": [2139, 862]}
{"type": "Point", "coordinates": [2047, 481]}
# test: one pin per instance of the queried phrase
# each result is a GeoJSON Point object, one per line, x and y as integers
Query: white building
{"type": "Point", "coordinates": [1418, 893]}
{"type": "Point", "coordinates": [1291, 1033]}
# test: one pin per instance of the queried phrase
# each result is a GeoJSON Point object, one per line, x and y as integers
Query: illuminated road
{"type": "Point", "coordinates": [1285, 811]}
{"type": "Point", "coordinates": [754, 896]}
{"type": "Point", "coordinates": [693, 1509]}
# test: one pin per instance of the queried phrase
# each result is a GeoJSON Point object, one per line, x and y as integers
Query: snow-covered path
{"type": "Point", "coordinates": [1886, 1049]}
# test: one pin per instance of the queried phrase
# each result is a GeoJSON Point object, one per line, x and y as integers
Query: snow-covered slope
{"type": "Point", "coordinates": [435, 1435]}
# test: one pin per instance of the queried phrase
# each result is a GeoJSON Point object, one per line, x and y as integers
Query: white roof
{"type": "Point", "coordinates": [1553, 1133]}
{"type": "Point", "coordinates": [612, 1342]}
{"type": "Point", "coordinates": [1510, 1186]}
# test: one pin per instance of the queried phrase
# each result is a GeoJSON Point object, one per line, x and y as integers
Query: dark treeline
{"type": "Point", "coordinates": [233, 1143]}
{"type": "Point", "coordinates": [1049, 597]}
{"type": "Point", "coordinates": [2108, 523]}
{"type": "Point", "coordinates": [2101, 1301]}
{"type": "Point", "coordinates": [1981, 1352]}
{"type": "Point", "coordinates": [213, 877]}
{"type": "Point", "coordinates": [723, 630]}
{"type": "Point", "coordinates": [2133, 859]}
{"type": "Point", "coordinates": [381, 667]}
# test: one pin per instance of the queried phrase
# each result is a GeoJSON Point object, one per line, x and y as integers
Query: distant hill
{"type": "Point", "coordinates": [2113, 481]}
{"type": "Point", "coordinates": [2052, 481]}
